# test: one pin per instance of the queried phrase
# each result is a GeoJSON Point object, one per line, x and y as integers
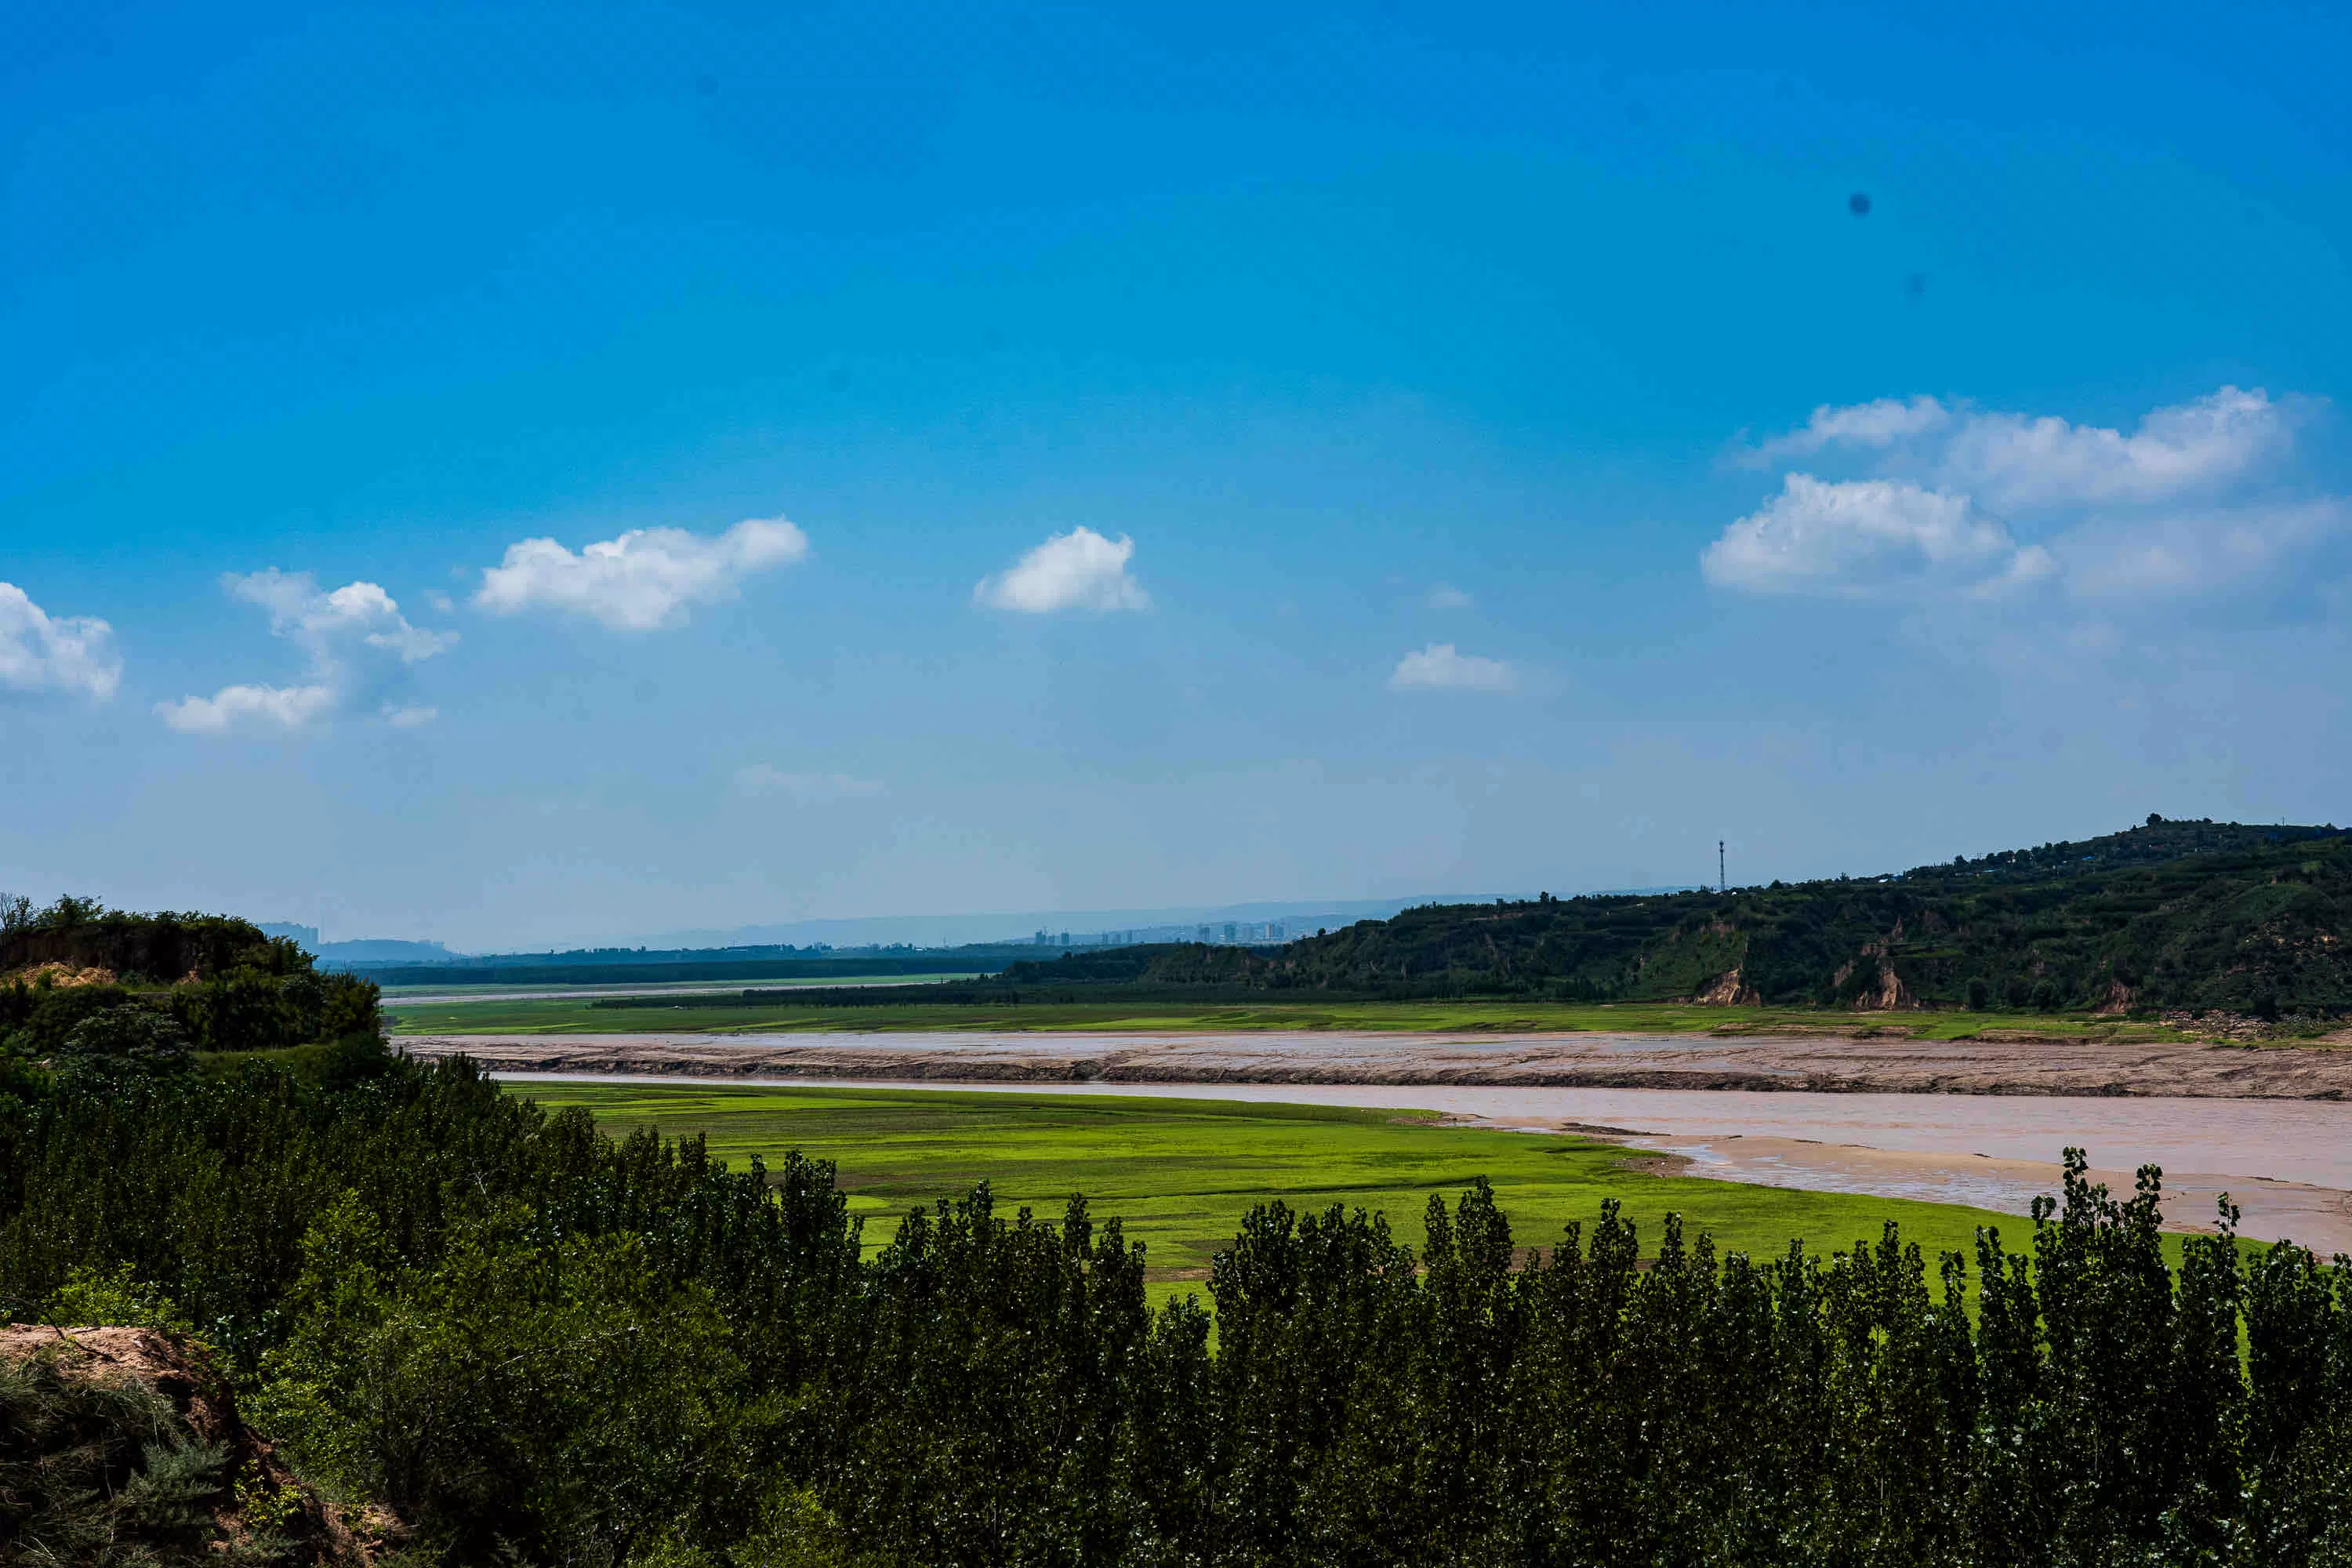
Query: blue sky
{"type": "Point", "coordinates": [1503, 457]}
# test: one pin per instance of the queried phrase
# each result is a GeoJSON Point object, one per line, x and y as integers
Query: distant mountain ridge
{"type": "Point", "coordinates": [980, 935]}
{"type": "Point", "coordinates": [380, 950]}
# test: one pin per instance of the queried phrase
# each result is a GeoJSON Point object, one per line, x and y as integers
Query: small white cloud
{"type": "Point", "coordinates": [409, 718]}
{"type": "Point", "coordinates": [317, 621]}
{"type": "Point", "coordinates": [1883, 423]}
{"type": "Point", "coordinates": [2017, 461]}
{"type": "Point", "coordinates": [1441, 667]}
{"type": "Point", "coordinates": [764, 781]}
{"type": "Point", "coordinates": [1080, 570]}
{"type": "Point", "coordinates": [440, 601]}
{"type": "Point", "coordinates": [1859, 538]}
{"type": "Point", "coordinates": [1446, 596]}
{"type": "Point", "coordinates": [40, 652]}
{"type": "Point", "coordinates": [643, 581]}
{"type": "Point", "coordinates": [244, 707]}
{"type": "Point", "coordinates": [353, 638]}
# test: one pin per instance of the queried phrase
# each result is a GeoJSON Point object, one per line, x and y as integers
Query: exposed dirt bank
{"type": "Point", "coordinates": [1817, 1064]}
{"type": "Point", "coordinates": [252, 1507]}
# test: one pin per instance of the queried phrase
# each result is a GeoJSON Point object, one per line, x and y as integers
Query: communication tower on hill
{"type": "Point", "coordinates": [1720, 884]}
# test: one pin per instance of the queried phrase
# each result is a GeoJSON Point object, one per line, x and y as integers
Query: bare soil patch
{"type": "Point", "coordinates": [182, 1372]}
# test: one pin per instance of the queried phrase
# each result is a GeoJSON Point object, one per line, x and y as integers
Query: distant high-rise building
{"type": "Point", "coordinates": [307, 936]}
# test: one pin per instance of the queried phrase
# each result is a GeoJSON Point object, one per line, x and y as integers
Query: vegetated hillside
{"type": "Point", "coordinates": [79, 981]}
{"type": "Point", "coordinates": [2170, 915]}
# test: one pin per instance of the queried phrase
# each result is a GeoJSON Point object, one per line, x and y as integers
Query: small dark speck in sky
{"type": "Point", "coordinates": [1914, 286]}
{"type": "Point", "coordinates": [1858, 204]}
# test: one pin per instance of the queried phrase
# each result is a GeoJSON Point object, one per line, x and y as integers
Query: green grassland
{"type": "Point", "coordinates": [570, 1015]}
{"type": "Point", "coordinates": [1181, 1174]}
{"type": "Point", "coordinates": [394, 991]}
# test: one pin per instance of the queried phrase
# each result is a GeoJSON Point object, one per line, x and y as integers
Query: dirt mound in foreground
{"type": "Point", "coordinates": [130, 1450]}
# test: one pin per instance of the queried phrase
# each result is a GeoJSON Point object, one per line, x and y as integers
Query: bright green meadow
{"type": "Point", "coordinates": [1181, 1174]}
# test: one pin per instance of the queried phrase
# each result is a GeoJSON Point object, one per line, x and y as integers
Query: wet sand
{"type": "Point", "coordinates": [1769, 1063]}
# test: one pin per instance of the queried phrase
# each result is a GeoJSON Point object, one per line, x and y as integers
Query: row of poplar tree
{"type": "Point", "coordinates": [535, 1343]}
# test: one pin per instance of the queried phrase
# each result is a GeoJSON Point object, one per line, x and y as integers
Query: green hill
{"type": "Point", "coordinates": [2192, 915]}
{"type": "Point", "coordinates": [79, 981]}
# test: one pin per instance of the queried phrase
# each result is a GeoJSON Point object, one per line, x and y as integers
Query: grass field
{"type": "Point", "coordinates": [568, 1016]}
{"type": "Point", "coordinates": [1181, 1174]}
{"type": "Point", "coordinates": [588, 992]}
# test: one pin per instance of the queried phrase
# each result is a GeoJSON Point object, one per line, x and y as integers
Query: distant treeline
{"type": "Point", "coordinates": [996, 992]}
{"type": "Point", "coordinates": [81, 983]}
{"type": "Point", "coordinates": [2192, 915]}
{"type": "Point", "coordinates": [536, 1345]}
{"type": "Point", "coordinates": [634, 961]}
{"type": "Point", "coordinates": [659, 974]}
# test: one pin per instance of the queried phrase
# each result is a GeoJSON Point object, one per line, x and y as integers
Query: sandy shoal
{"type": "Point", "coordinates": [1778, 1063]}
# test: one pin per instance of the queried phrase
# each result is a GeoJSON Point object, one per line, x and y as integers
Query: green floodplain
{"type": "Point", "coordinates": [579, 1015]}
{"type": "Point", "coordinates": [1180, 1174]}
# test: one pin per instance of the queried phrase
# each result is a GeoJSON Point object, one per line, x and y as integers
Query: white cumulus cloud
{"type": "Point", "coordinates": [2198, 554]}
{"type": "Point", "coordinates": [1446, 596]}
{"type": "Point", "coordinates": [319, 620]}
{"type": "Point", "coordinates": [2184, 507]}
{"type": "Point", "coordinates": [236, 707]}
{"type": "Point", "coordinates": [1882, 423]}
{"type": "Point", "coordinates": [764, 780]}
{"type": "Point", "coordinates": [1080, 570]}
{"type": "Point", "coordinates": [355, 644]}
{"type": "Point", "coordinates": [41, 652]}
{"type": "Point", "coordinates": [1441, 667]}
{"type": "Point", "coordinates": [1862, 537]}
{"type": "Point", "coordinates": [2015, 460]}
{"type": "Point", "coordinates": [647, 579]}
